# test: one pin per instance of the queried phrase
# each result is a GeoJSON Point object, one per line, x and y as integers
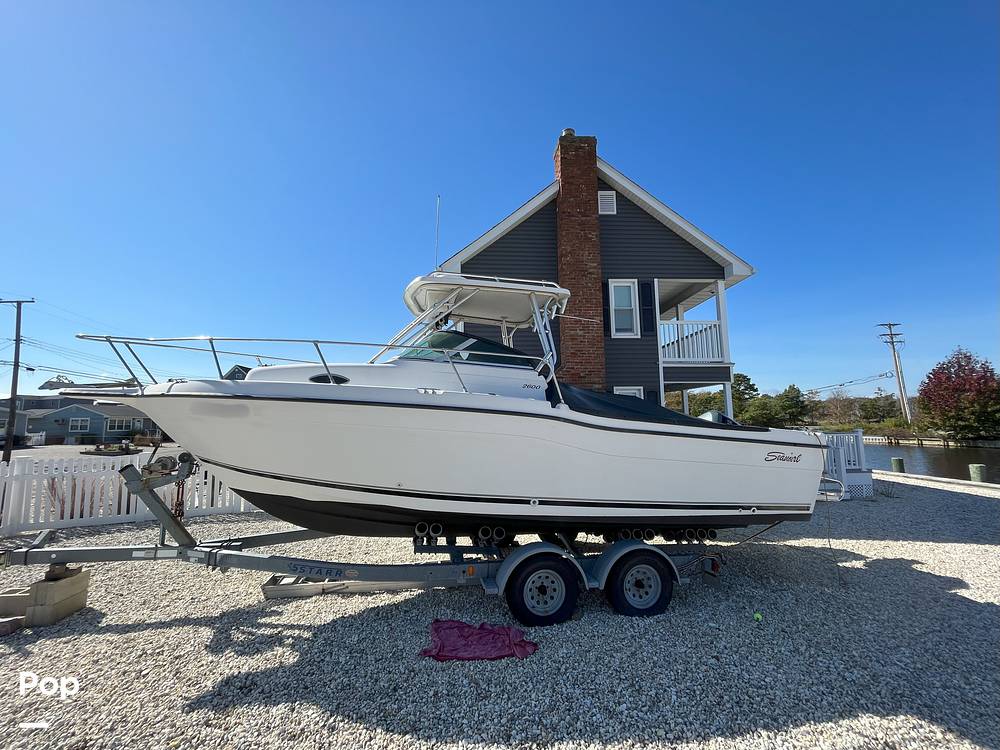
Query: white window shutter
{"type": "Point", "coordinates": [607, 202]}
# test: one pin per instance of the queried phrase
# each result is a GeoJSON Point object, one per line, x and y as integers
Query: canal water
{"type": "Point", "coordinates": [935, 461]}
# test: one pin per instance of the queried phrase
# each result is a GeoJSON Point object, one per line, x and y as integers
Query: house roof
{"type": "Point", "coordinates": [736, 268]}
{"type": "Point", "coordinates": [115, 410]}
{"type": "Point", "coordinates": [36, 413]}
{"type": "Point", "coordinates": [104, 410]}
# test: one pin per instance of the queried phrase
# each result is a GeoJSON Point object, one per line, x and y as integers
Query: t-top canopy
{"type": "Point", "coordinates": [486, 299]}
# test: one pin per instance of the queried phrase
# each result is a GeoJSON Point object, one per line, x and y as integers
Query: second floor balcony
{"type": "Point", "coordinates": [693, 341]}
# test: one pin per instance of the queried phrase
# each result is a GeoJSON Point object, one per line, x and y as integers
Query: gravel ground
{"type": "Point", "coordinates": [880, 628]}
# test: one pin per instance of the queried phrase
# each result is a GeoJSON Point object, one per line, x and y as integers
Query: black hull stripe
{"type": "Point", "coordinates": [776, 444]}
{"type": "Point", "coordinates": [418, 495]}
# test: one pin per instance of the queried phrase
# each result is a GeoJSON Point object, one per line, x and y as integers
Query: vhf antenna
{"type": "Point", "coordinates": [437, 233]}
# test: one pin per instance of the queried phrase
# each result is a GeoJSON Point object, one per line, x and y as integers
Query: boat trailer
{"type": "Point", "coordinates": [541, 581]}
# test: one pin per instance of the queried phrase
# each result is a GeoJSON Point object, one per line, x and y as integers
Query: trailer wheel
{"type": "Point", "coordinates": [640, 585]}
{"type": "Point", "coordinates": [543, 590]}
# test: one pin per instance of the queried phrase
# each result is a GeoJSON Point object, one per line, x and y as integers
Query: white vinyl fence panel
{"type": "Point", "coordinates": [87, 491]}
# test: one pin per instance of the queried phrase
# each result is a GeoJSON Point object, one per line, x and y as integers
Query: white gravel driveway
{"type": "Point", "coordinates": [885, 635]}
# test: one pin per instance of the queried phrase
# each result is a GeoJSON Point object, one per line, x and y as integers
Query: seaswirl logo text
{"type": "Point", "coordinates": [779, 456]}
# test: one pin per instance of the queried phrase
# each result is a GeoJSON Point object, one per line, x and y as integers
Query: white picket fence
{"type": "Point", "coordinates": [88, 491]}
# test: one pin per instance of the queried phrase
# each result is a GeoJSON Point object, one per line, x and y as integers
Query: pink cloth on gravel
{"type": "Point", "coordinates": [453, 639]}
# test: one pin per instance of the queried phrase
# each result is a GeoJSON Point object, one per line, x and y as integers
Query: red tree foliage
{"type": "Point", "coordinates": [962, 396]}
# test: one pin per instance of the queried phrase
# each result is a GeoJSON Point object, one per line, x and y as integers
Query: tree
{"type": "Point", "coordinates": [792, 405]}
{"type": "Point", "coordinates": [879, 407]}
{"type": "Point", "coordinates": [762, 412]}
{"type": "Point", "coordinates": [701, 401]}
{"type": "Point", "coordinates": [744, 391]}
{"type": "Point", "coordinates": [839, 407]}
{"type": "Point", "coordinates": [961, 395]}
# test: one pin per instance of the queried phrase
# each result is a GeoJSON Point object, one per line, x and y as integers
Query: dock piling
{"type": "Point", "coordinates": [977, 472]}
{"type": "Point", "coordinates": [897, 465]}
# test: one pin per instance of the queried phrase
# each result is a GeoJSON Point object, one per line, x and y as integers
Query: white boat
{"type": "Point", "coordinates": [446, 431]}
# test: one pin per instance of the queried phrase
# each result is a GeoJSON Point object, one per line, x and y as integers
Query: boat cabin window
{"type": "Point", "coordinates": [469, 349]}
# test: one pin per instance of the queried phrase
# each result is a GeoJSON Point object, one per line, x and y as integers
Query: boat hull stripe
{"type": "Point", "coordinates": [418, 495]}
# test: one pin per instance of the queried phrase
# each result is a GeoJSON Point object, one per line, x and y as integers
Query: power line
{"type": "Point", "coordinates": [858, 381]}
{"type": "Point", "coordinates": [60, 370]}
{"type": "Point", "coordinates": [895, 341]}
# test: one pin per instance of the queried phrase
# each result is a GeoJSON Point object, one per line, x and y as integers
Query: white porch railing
{"type": "Point", "coordinates": [853, 445]}
{"type": "Point", "coordinates": [58, 493]}
{"type": "Point", "coordinates": [692, 341]}
{"type": "Point", "coordinates": [845, 461]}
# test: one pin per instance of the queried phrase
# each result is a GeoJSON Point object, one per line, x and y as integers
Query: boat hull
{"type": "Point", "coordinates": [375, 466]}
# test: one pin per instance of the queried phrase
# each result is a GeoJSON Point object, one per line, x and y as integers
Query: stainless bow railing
{"type": "Point", "coordinates": [184, 343]}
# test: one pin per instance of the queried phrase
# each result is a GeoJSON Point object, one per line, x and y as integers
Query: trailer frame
{"type": "Point", "coordinates": [487, 566]}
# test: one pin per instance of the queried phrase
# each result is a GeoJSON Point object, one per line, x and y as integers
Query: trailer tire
{"type": "Point", "coordinates": [641, 584]}
{"type": "Point", "coordinates": [543, 590]}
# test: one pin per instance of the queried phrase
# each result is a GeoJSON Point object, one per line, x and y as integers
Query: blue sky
{"type": "Point", "coordinates": [270, 169]}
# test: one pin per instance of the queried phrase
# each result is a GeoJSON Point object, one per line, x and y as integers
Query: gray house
{"type": "Point", "coordinates": [20, 426]}
{"type": "Point", "coordinates": [635, 269]}
{"type": "Point", "coordinates": [90, 423]}
{"type": "Point", "coordinates": [70, 420]}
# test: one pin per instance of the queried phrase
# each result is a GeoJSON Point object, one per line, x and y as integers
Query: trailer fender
{"type": "Point", "coordinates": [521, 554]}
{"type": "Point", "coordinates": [604, 564]}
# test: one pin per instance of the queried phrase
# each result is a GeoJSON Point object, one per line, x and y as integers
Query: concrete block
{"type": "Point", "coordinates": [9, 625]}
{"type": "Point", "coordinates": [49, 614]}
{"type": "Point", "coordinates": [14, 601]}
{"type": "Point", "coordinates": [44, 593]}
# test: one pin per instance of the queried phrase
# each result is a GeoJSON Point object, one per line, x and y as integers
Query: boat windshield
{"type": "Point", "coordinates": [470, 349]}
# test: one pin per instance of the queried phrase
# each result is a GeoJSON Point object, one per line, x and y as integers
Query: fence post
{"type": "Point", "coordinates": [859, 437]}
{"type": "Point", "coordinates": [13, 511]}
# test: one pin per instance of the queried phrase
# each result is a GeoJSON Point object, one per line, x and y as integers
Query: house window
{"type": "Point", "coordinates": [629, 390]}
{"type": "Point", "coordinates": [3, 425]}
{"type": "Point", "coordinates": [79, 424]}
{"type": "Point", "coordinates": [119, 424]}
{"type": "Point", "coordinates": [607, 202]}
{"type": "Point", "coordinates": [624, 298]}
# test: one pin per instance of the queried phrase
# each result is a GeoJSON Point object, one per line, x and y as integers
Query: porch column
{"type": "Point", "coordinates": [727, 392]}
{"type": "Point", "coordinates": [685, 407]}
{"type": "Point", "coordinates": [722, 315]}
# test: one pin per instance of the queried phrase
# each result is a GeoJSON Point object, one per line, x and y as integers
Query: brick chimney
{"type": "Point", "coordinates": [578, 248]}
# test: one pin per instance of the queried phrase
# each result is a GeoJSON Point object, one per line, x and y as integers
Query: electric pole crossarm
{"type": "Point", "coordinates": [892, 337]}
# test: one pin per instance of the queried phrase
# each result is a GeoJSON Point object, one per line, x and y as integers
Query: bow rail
{"type": "Point", "coordinates": [184, 343]}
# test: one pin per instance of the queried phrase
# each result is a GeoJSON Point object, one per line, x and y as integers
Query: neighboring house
{"type": "Point", "coordinates": [634, 267]}
{"type": "Point", "coordinates": [90, 423]}
{"type": "Point", "coordinates": [44, 401]}
{"type": "Point", "coordinates": [67, 419]}
{"type": "Point", "coordinates": [20, 425]}
{"type": "Point", "coordinates": [237, 372]}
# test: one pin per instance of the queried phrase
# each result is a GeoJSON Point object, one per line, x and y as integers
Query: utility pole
{"type": "Point", "coordinates": [8, 442]}
{"type": "Point", "coordinates": [892, 338]}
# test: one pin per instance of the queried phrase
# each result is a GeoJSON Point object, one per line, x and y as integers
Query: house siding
{"type": "Point", "coordinates": [20, 424]}
{"type": "Point", "coordinates": [707, 374]}
{"type": "Point", "coordinates": [528, 251]}
{"type": "Point", "coordinates": [635, 245]}
{"type": "Point", "coordinates": [633, 362]}
{"type": "Point", "coordinates": [56, 424]}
